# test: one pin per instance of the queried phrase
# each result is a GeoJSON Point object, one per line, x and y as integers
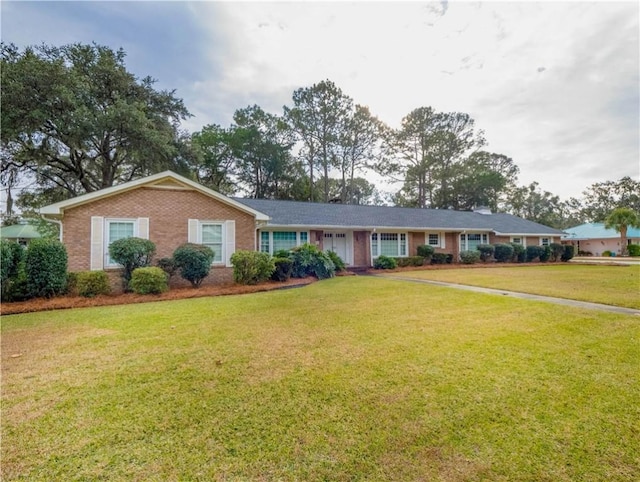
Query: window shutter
{"type": "Point", "coordinates": [193, 231]}
{"type": "Point", "coordinates": [442, 238]}
{"type": "Point", "coordinates": [97, 243]}
{"type": "Point", "coordinates": [143, 228]}
{"type": "Point", "coordinates": [229, 240]}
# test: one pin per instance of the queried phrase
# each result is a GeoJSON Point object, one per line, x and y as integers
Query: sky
{"type": "Point", "coordinates": [553, 85]}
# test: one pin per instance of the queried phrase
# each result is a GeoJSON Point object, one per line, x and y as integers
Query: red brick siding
{"type": "Point", "coordinates": [361, 249]}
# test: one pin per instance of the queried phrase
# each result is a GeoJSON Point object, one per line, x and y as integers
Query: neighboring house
{"type": "Point", "coordinates": [595, 239]}
{"type": "Point", "coordinates": [170, 210]}
{"type": "Point", "coordinates": [21, 233]}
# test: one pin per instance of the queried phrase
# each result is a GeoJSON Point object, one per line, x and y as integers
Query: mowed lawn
{"type": "Point", "coordinates": [353, 378]}
{"type": "Point", "coordinates": [610, 285]}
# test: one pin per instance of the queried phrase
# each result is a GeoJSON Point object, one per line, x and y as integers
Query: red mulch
{"type": "Point", "coordinates": [64, 302]}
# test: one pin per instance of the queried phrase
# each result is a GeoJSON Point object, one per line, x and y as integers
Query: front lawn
{"type": "Point", "coordinates": [353, 378]}
{"type": "Point", "coordinates": [610, 285]}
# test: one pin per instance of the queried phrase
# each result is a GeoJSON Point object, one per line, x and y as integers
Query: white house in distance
{"type": "Point", "coordinates": [595, 239]}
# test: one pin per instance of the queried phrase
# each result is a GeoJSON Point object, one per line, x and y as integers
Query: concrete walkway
{"type": "Point", "coordinates": [616, 260]}
{"type": "Point", "coordinates": [515, 294]}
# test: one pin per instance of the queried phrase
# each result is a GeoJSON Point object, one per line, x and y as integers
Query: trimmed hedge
{"type": "Point", "coordinates": [284, 266]}
{"type": "Point", "coordinates": [410, 261]}
{"type": "Point", "coordinates": [556, 251]}
{"type": "Point", "coordinates": [425, 250]}
{"type": "Point", "coordinates": [251, 267]}
{"type": "Point", "coordinates": [503, 252]}
{"type": "Point", "coordinates": [131, 253]}
{"type": "Point", "coordinates": [385, 262]}
{"type": "Point", "coordinates": [486, 252]}
{"type": "Point", "coordinates": [519, 253]}
{"type": "Point", "coordinates": [194, 262]}
{"type": "Point", "coordinates": [469, 257]}
{"type": "Point", "coordinates": [11, 257]}
{"type": "Point", "coordinates": [46, 267]}
{"type": "Point", "coordinates": [634, 249]}
{"type": "Point", "coordinates": [545, 253]}
{"type": "Point", "coordinates": [149, 280]}
{"type": "Point", "coordinates": [534, 252]}
{"type": "Point", "coordinates": [441, 258]}
{"type": "Point", "coordinates": [568, 253]}
{"type": "Point", "coordinates": [92, 283]}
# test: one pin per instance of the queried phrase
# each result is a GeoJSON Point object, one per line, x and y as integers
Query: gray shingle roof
{"type": "Point", "coordinates": [312, 215]}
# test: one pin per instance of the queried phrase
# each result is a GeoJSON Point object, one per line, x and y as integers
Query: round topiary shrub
{"type": "Point", "coordinates": [486, 251]}
{"type": "Point", "coordinates": [46, 267]}
{"type": "Point", "coordinates": [568, 253]}
{"type": "Point", "coordinates": [149, 280]}
{"type": "Point", "coordinates": [131, 253]}
{"type": "Point", "coordinates": [92, 283]}
{"type": "Point", "coordinates": [469, 257]}
{"type": "Point", "coordinates": [425, 251]}
{"type": "Point", "coordinates": [251, 267]}
{"type": "Point", "coordinates": [534, 252]}
{"type": "Point", "coordinates": [194, 262]}
{"type": "Point", "coordinates": [519, 253]}
{"type": "Point", "coordinates": [384, 262]}
{"type": "Point", "coordinates": [283, 269]}
{"type": "Point", "coordinates": [503, 253]}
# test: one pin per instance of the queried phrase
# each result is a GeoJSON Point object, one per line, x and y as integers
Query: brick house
{"type": "Point", "coordinates": [170, 210]}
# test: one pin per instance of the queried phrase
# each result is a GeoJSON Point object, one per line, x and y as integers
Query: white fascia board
{"type": "Point", "coordinates": [544, 235]}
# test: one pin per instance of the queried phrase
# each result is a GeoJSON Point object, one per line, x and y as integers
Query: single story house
{"type": "Point", "coordinates": [595, 239]}
{"type": "Point", "coordinates": [170, 210]}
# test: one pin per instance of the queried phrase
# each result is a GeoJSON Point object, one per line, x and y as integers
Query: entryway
{"type": "Point", "coordinates": [336, 242]}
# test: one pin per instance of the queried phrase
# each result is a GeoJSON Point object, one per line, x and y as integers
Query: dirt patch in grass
{"type": "Point", "coordinates": [66, 302]}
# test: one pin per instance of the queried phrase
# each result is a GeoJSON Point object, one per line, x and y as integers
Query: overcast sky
{"type": "Point", "coordinates": [555, 86]}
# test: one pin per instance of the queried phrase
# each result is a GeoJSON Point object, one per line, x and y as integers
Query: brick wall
{"type": "Point", "coordinates": [168, 211]}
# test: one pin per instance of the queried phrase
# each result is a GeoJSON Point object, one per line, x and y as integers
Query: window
{"type": "Point", "coordinates": [211, 236]}
{"type": "Point", "coordinates": [117, 229]}
{"type": "Point", "coordinates": [433, 239]}
{"type": "Point", "coordinates": [272, 241]}
{"type": "Point", "coordinates": [516, 240]}
{"type": "Point", "coordinates": [388, 244]}
{"type": "Point", "coordinates": [469, 242]}
{"type": "Point", "coordinates": [544, 242]}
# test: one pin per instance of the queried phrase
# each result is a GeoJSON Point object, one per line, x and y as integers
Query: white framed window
{"type": "Point", "coordinates": [545, 241]}
{"type": "Point", "coordinates": [218, 235]}
{"type": "Point", "coordinates": [517, 240]}
{"type": "Point", "coordinates": [389, 244]}
{"type": "Point", "coordinates": [272, 241]}
{"type": "Point", "coordinates": [470, 241]}
{"type": "Point", "coordinates": [433, 239]}
{"type": "Point", "coordinates": [211, 235]}
{"type": "Point", "coordinates": [115, 229]}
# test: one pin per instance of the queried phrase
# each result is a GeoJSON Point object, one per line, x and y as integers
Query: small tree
{"type": "Point", "coordinates": [620, 219]}
{"type": "Point", "coordinates": [46, 267]}
{"type": "Point", "coordinates": [194, 262]}
{"type": "Point", "coordinates": [131, 253]}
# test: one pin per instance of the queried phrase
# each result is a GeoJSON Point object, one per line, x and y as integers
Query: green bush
{"type": "Point", "coordinates": [308, 260]}
{"type": "Point", "coordinates": [283, 269]}
{"type": "Point", "coordinates": [45, 265]}
{"type": "Point", "coordinates": [251, 267]}
{"type": "Point", "coordinates": [545, 253]}
{"type": "Point", "coordinates": [441, 258]}
{"type": "Point", "coordinates": [469, 257]}
{"type": "Point", "coordinates": [72, 284]}
{"type": "Point", "coordinates": [486, 251]}
{"type": "Point", "coordinates": [12, 256]}
{"type": "Point", "coordinates": [194, 262]}
{"type": "Point", "coordinates": [556, 251]}
{"type": "Point", "coordinates": [534, 252]}
{"type": "Point", "coordinates": [519, 253]}
{"type": "Point", "coordinates": [503, 252]}
{"type": "Point", "coordinates": [425, 250]}
{"type": "Point", "coordinates": [149, 280]}
{"type": "Point", "coordinates": [606, 253]}
{"type": "Point", "coordinates": [168, 265]}
{"type": "Point", "coordinates": [337, 261]}
{"type": "Point", "coordinates": [410, 261]}
{"type": "Point", "coordinates": [634, 249]}
{"type": "Point", "coordinates": [385, 262]}
{"type": "Point", "coordinates": [568, 253]}
{"type": "Point", "coordinates": [282, 253]}
{"type": "Point", "coordinates": [131, 253]}
{"type": "Point", "coordinates": [92, 283]}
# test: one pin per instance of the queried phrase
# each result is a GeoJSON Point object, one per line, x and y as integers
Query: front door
{"type": "Point", "coordinates": [336, 242]}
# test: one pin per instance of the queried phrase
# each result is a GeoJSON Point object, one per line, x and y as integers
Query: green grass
{"type": "Point", "coordinates": [352, 378]}
{"type": "Point", "coordinates": [610, 285]}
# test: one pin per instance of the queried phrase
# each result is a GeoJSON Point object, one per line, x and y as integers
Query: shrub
{"type": "Point", "coordinates": [12, 255]}
{"type": "Point", "coordinates": [384, 262]}
{"type": "Point", "coordinates": [282, 253]}
{"type": "Point", "coordinates": [251, 267]}
{"type": "Point", "coordinates": [606, 253]}
{"type": "Point", "coordinates": [568, 253]}
{"type": "Point", "coordinates": [503, 252]}
{"type": "Point", "coordinates": [45, 265]}
{"type": "Point", "coordinates": [92, 283]}
{"type": "Point", "coordinates": [337, 261]}
{"type": "Point", "coordinates": [439, 258]}
{"type": "Point", "coordinates": [410, 261]}
{"type": "Point", "coordinates": [425, 251]}
{"type": "Point", "coordinates": [534, 252]}
{"type": "Point", "coordinates": [469, 257]}
{"type": "Point", "coordinates": [519, 253]}
{"type": "Point", "coordinates": [131, 253]}
{"type": "Point", "coordinates": [582, 253]}
{"type": "Point", "coordinates": [283, 269]}
{"type": "Point", "coordinates": [486, 252]}
{"type": "Point", "coordinates": [556, 251]}
{"type": "Point", "coordinates": [308, 260]}
{"type": "Point", "coordinates": [634, 249]}
{"type": "Point", "coordinates": [149, 280]}
{"type": "Point", "coordinates": [168, 265]}
{"type": "Point", "coordinates": [194, 262]}
{"type": "Point", "coordinates": [72, 284]}
{"type": "Point", "coordinates": [545, 254]}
